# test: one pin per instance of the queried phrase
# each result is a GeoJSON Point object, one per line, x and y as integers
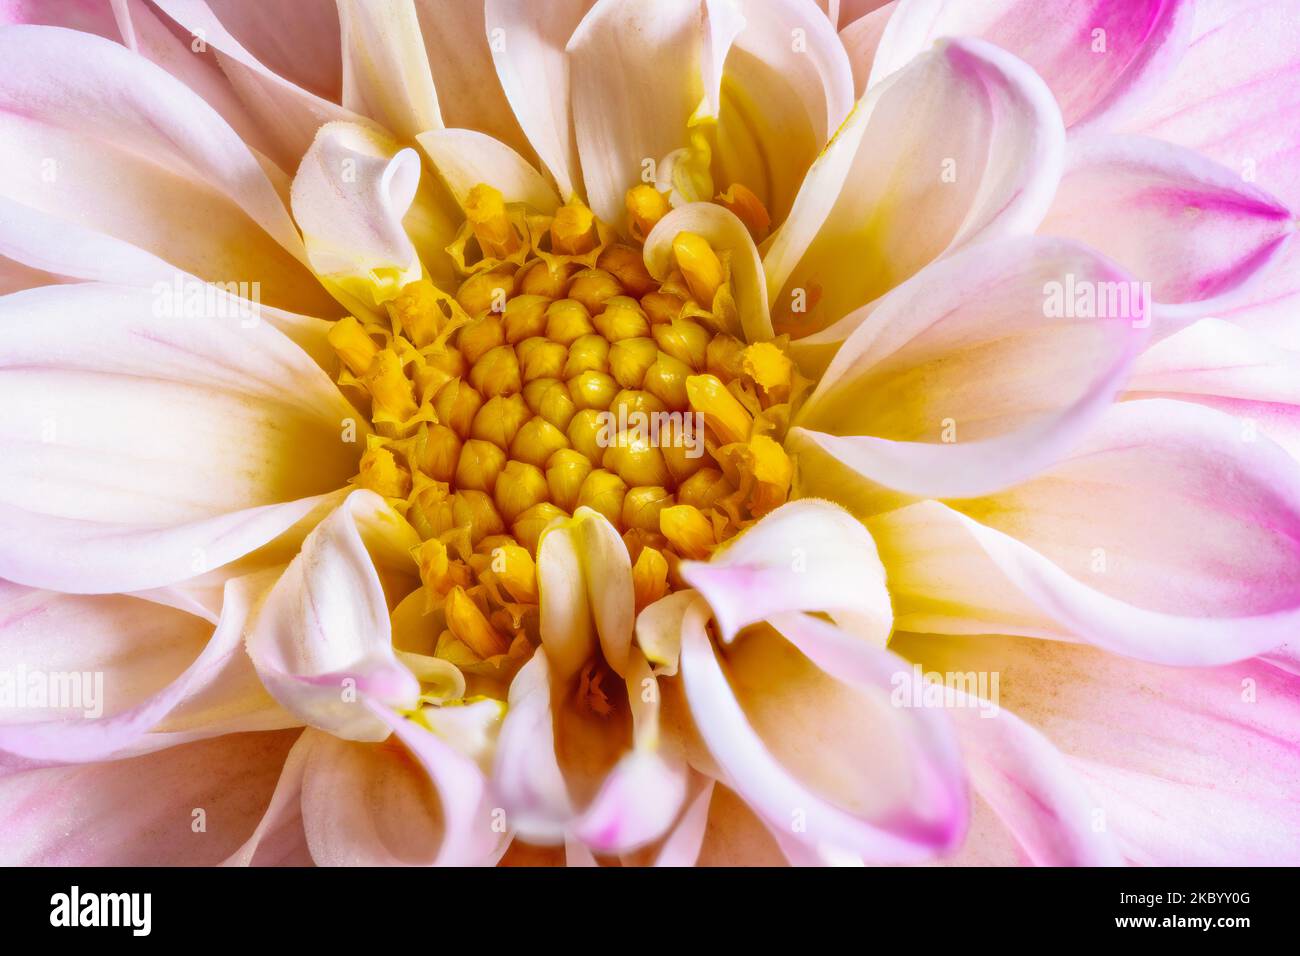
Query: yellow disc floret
{"type": "Point", "coordinates": [558, 375]}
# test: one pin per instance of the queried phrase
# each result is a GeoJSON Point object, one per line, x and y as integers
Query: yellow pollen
{"type": "Point", "coordinates": [645, 207]}
{"type": "Point", "coordinates": [355, 347]}
{"type": "Point", "coordinates": [700, 265]}
{"type": "Point", "coordinates": [485, 208]}
{"type": "Point", "coordinates": [467, 622]}
{"type": "Point", "coordinates": [574, 230]}
{"type": "Point", "coordinates": [560, 374]}
{"type": "Point", "coordinates": [722, 411]}
{"type": "Point", "coordinates": [649, 577]}
{"type": "Point", "coordinates": [748, 208]}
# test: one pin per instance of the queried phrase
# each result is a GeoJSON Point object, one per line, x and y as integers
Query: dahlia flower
{"type": "Point", "coordinates": [600, 431]}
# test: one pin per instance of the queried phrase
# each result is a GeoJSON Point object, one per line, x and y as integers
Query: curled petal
{"type": "Point", "coordinates": [807, 555]}
{"type": "Point", "coordinates": [785, 86]}
{"type": "Point", "coordinates": [585, 578]}
{"type": "Point", "coordinates": [639, 111]}
{"type": "Point", "coordinates": [322, 640]}
{"type": "Point", "coordinates": [1188, 226]}
{"type": "Point", "coordinates": [146, 448]}
{"type": "Point", "coordinates": [554, 786]}
{"type": "Point", "coordinates": [1085, 545]}
{"type": "Point", "coordinates": [464, 158]}
{"type": "Point", "coordinates": [822, 755]}
{"type": "Point", "coordinates": [371, 805]}
{"type": "Point", "coordinates": [135, 648]}
{"type": "Point", "coordinates": [349, 196]}
{"type": "Point", "coordinates": [526, 773]}
{"type": "Point", "coordinates": [965, 144]}
{"type": "Point", "coordinates": [1099, 57]}
{"type": "Point", "coordinates": [725, 233]}
{"type": "Point", "coordinates": [980, 371]}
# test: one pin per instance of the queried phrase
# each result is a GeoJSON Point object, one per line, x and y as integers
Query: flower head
{"type": "Point", "coordinates": [607, 430]}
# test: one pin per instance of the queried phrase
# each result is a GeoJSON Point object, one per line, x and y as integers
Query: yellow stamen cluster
{"type": "Point", "coordinates": [561, 374]}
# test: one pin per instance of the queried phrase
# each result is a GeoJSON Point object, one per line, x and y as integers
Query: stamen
{"type": "Point", "coordinates": [573, 232]}
{"type": "Point", "coordinates": [467, 622]}
{"type": "Point", "coordinates": [700, 265]}
{"type": "Point", "coordinates": [748, 208]}
{"type": "Point", "coordinates": [485, 208]}
{"type": "Point", "coordinates": [722, 411]}
{"type": "Point", "coordinates": [529, 393]}
{"type": "Point", "coordinates": [645, 207]}
{"type": "Point", "coordinates": [688, 530]}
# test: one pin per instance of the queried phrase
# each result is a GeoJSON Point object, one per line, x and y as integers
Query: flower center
{"type": "Point", "coordinates": [561, 374]}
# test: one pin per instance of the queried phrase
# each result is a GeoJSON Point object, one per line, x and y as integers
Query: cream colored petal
{"type": "Point", "coordinates": [963, 145]}
{"type": "Point", "coordinates": [527, 40]}
{"type": "Point", "coordinates": [386, 73]}
{"type": "Point", "coordinates": [462, 49]}
{"type": "Point", "coordinates": [805, 556]}
{"type": "Point", "coordinates": [349, 197]}
{"type": "Point", "coordinates": [585, 578]}
{"type": "Point", "coordinates": [725, 234]}
{"type": "Point", "coordinates": [464, 158]}
{"type": "Point", "coordinates": [637, 76]}
{"type": "Point", "coordinates": [785, 88]}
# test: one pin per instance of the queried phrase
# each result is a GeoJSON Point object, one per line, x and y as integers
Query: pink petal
{"type": "Point", "coordinates": [285, 111]}
{"type": "Point", "coordinates": [1099, 545]}
{"type": "Point", "coordinates": [959, 383]}
{"type": "Point", "coordinates": [82, 113]}
{"type": "Point", "coordinates": [828, 721]}
{"type": "Point", "coordinates": [321, 640]}
{"type": "Point", "coordinates": [1183, 223]}
{"type": "Point", "coordinates": [216, 687]}
{"type": "Point", "coordinates": [861, 38]}
{"type": "Point", "coordinates": [1181, 766]}
{"type": "Point", "coordinates": [130, 427]}
{"type": "Point", "coordinates": [366, 804]}
{"type": "Point", "coordinates": [460, 44]}
{"type": "Point", "coordinates": [1228, 368]}
{"type": "Point", "coordinates": [297, 39]}
{"type": "Point", "coordinates": [469, 837]}
{"type": "Point", "coordinates": [1141, 41]}
{"type": "Point", "coordinates": [963, 145]}
{"type": "Point", "coordinates": [1233, 96]}
{"type": "Point", "coordinates": [630, 804]}
{"type": "Point", "coordinates": [526, 773]}
{"type": "Point", "coordinates": [279, 837]}
{"type": "Point", "coordinates": [143, 811]}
